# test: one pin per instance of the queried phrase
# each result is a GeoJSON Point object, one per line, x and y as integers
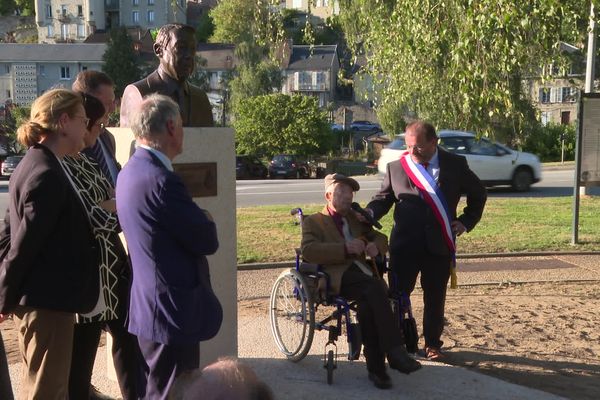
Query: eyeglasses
{"type": "Point", "coordinates": [417, 148]}
{"type": "Point", "coordinates": [85, 119]}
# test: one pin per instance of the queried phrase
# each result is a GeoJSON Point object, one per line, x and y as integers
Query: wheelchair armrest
{"type": "Point", "coordinates": [309, 268]}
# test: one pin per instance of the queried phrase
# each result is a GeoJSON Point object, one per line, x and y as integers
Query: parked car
{"type": "Point", "coordinates": [365, 126]}
{"type": "Point", "coordinates": [289, 166]}
{"type": "Point", "coordinates": [249, 167]}
{"type": "Point", "coordinates": [493, 163]}
{"type": "Point", "coordinates": [336, 127]}
{"type": "Point", "coordinates": [9, 165]}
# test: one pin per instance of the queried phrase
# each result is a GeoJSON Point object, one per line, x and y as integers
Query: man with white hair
{"type": "Point", "coordinates": [228, 379]}
{"type": "Point", "coordinates": [172, 306]}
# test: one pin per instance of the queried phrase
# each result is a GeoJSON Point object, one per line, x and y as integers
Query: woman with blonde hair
{"type": "Point", "coordinates": [51, 269]}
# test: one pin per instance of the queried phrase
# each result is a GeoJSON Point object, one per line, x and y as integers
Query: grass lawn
{"type": "Point", "coordinates": [268, 233]}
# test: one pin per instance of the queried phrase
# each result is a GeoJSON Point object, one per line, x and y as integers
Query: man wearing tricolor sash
{"type": "Point", "coordinates": [425, 185]}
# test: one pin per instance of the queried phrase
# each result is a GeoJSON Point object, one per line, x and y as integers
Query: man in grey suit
{"type": "Point", "coordinates": [422, 239]}
{"type": "Point", "coordinates": [172, 306]}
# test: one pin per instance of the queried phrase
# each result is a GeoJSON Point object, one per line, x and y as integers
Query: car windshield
{"type": "Point", "coordinates": [397, 144]}
{"type": "Point", "coordinates": [283, 158]}
{"type": "Point", "coordinates": [13, 159]}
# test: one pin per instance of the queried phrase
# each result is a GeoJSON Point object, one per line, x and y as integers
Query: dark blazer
{"type": "Point", "coordinates": [415, 227]}
{"type": "Point", "coordinates": [195, 108]}
{"type": "Point", "coordinates": [53, 261]}
{"type": "Point", "coordinates": [169, 236]}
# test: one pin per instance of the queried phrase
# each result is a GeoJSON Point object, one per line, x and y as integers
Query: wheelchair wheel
{"type": "Point", "coordinates": [411, 336]}
{"type": "Point", "coordinates": [330, 366]}
{"type": "Point", "coordinates": [292, 315]}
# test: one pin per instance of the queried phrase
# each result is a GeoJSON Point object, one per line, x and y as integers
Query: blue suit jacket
{"type": "Point", "coordinates": [168, 236]}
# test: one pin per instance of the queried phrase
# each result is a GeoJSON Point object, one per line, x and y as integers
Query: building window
{"type": "Point", "coordinates": [48, 11]}
{"type": "Point", "coordinates": [64, 31]}
{"type": "Point", "coordinates": [7, 68]}
{"type": "Point", "coordinates": [50, 31]}
{"type": "Point", "coordinates": [150, 16]}
{"type": "Point", "coordinates": [43, 70]}
{"type": "Point", "coordinates": [80, 11]}
{"type": "Point", "coordinates": [80, 30]}
{"type": "Point", "coordinates": [135, 17]}
{"type": "Point", "coordinates": [65, 73]}
{"type": "Point", "coordinates": [135, 2]}
{"type": "Point", "coordinates": [544, 95]}
{"type": "Point", "coordinates": [545, 118]}
{"type": "Point", "coordinates": [565, 117]}
{"type": "Point", "coordinates": [569, 94]}
{"type": "Point", "coordinates": [150, 2]}
{"type": "Point", "coordinates": [63, 10]}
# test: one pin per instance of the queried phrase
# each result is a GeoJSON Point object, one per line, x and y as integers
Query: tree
{"type": "Point", "coordinates": [460, 63]}
{"type": "Point", "coordinates": [205, 28]}
{"type": "Point", "coordinates": [120, 60]}
{"type": "Point", "coordinates": [278, 123]}
{"type": "Point", "coordinates": [14, 118]}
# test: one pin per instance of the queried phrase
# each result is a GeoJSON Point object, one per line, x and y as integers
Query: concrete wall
{"type": "Point", "coordinates": [211, 145]}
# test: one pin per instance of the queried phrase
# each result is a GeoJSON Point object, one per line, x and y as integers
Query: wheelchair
{"type": "Point", "coordinates": [299, 292]}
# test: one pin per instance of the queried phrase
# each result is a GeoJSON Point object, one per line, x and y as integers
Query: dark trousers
{"type": "Point", "coordinates": [379, 332]}
{"type": "Point", "coordinates": [161, 364]}
{"type": "Point", "coordinates": [125, 357]}
{"type": "Point", "coordinates": [435, 272]}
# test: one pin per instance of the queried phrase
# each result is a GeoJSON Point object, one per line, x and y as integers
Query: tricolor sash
{"type": "Point", "coordinates": [434, 197]}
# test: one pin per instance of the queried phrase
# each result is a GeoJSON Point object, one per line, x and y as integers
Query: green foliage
{"type": "Point", "coordinates": [278, 123]}
{"type": "Point", "coordinates": [391, 117]}
{"type": "Point", "coordinates": [27, 7]}
{"type": "Point", "coordinates": [7, 7]}
{"type": "Point", "coordinates": [205, 28]}
{"type": "Point", "coordinates": [17, 116]}
{"type": "Point", "coordinates": [24, 7]}
{"type": "Point", "coordinates": [459, 63]}
{"type": "Point", "coordinates": [238, 21]}
{"type": "Point", "coordinates": [545, 142]}
{"type": "Point", "coordinates": [120, 60]}
{"type": "Point", "coordinates": [254, 80]}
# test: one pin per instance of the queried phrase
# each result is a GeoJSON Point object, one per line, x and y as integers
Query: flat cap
{"type": "Point", "coordinates": [339, 178]}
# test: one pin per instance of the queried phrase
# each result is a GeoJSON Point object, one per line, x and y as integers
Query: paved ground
{"type": "Point", "coordinates": [306, 380]}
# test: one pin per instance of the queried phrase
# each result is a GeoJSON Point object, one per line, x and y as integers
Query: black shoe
{"type": "Point", "coordinates": [95, 394]}
{"type": "Point", "coordinates": [399, 359]}
{"type": "Point", "coordinates": [381, 380]}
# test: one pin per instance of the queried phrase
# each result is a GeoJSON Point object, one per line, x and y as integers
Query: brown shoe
{"type": "Point", "coordinates": [434, 354]}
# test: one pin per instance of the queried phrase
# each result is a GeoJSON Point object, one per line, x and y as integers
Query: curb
{"type": "Point", "coordinates": [290, 264]}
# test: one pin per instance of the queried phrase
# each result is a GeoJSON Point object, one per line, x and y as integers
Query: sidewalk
{"type": "Point", "coordinates": [306, 379]}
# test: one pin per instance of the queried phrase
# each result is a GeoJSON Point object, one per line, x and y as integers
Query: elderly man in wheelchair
{"type": "Point", "coordinates": [339, 242]}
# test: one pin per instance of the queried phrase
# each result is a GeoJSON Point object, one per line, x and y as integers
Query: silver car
{"type": "Point", "coordinates": [493, 163]}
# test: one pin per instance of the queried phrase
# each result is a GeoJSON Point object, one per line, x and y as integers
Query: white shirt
{"type": "Point", "coordinates": [434, 166]}
{"type": "Point", "coordinates": [161, 156]}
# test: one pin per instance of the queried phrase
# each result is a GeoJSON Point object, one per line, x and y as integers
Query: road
{"type": "Point", "coordinates": [555, 183]}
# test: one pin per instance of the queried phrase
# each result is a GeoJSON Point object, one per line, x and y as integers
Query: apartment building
{"type": "Point", "coordinates": [318, 8]}
{"type": "Point", "coordinates": [28, 70]}
{"type": "Point", "coordinates": [71, 21]}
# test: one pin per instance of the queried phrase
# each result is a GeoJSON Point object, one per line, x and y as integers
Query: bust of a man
{"type": "Point", "coordinates": [175, 47]}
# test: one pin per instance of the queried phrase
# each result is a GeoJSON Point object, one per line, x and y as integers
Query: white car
{"type": "Point", "coordinates": [492, 162]}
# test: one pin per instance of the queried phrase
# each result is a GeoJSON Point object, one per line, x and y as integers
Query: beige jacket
{"type": "Point", "coordinates": [323, 244]}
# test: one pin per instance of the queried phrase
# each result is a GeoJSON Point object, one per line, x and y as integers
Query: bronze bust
{"type": "Point", "coordinates": [175, 47]}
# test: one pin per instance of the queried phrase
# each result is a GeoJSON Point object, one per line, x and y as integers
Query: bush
{"type": "Point", "coordinates": [278, 123]}
{"type": "Point", "coordinates": [546, 143]}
